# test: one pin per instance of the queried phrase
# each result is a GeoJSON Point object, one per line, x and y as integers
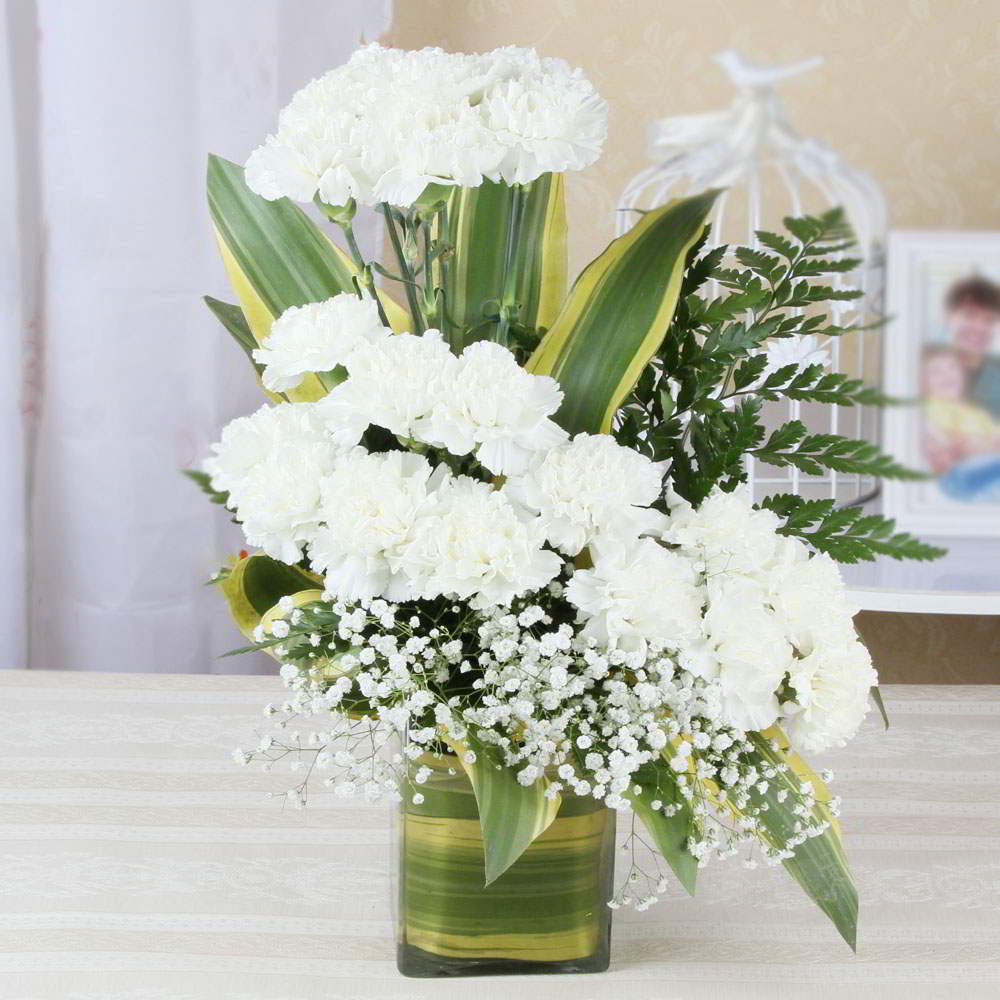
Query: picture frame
{"type": "Point", "coordinates": [942, 355]}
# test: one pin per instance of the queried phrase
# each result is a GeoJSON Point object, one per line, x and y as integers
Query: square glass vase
{"type": "Point", "coordinates": [547, 913]}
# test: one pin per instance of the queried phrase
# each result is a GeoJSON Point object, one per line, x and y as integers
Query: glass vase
{"type": "Point", "coordinates": [547, 913]}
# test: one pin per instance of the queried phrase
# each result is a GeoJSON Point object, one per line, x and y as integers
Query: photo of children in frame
{"type": "Point", "coordinates": [941, 357]}
{"type": "Point", "coordinates": [960, 376]}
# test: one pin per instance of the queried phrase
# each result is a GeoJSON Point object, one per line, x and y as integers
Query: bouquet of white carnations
{"type": "Point", "coordinates": [506, 519]}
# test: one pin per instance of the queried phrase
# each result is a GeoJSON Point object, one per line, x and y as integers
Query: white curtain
{"type": "Point", "coordinates": [134, 377]}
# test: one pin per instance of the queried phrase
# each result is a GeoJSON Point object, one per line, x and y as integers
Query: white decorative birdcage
{"type": "Point", "coordinates": [768, 171]}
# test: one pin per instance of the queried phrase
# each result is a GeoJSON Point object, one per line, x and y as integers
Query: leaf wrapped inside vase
{"type": "Point", "coordinates": [511, 815]}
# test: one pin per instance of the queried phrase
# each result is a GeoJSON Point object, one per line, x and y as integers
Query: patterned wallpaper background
{"type": "Point", "coordinates": [909, 92]}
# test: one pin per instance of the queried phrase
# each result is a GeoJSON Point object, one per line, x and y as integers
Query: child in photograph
{"type": "Point", "coordinates": [973, 317]}
{"type": "Point", "coordinates": [961, 384]}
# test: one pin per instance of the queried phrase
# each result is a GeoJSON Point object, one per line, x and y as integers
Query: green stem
{"type": "Point", "coordinates": [409, 284]}
{"type": "Point", "coordinates": [507, 289]}
{"type": "Point", "coordinates": [365, 271]}
{"type": "Point", "coordinates": [430, 305]}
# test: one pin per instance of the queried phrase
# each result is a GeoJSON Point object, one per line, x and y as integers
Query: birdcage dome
{"type": "Point", "coordinates": [768, 171]}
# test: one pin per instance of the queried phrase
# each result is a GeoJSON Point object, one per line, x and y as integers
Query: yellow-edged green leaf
{"type": "Point", "coordinates": [618, 312]}
{"type": "Point", "coordinates": [511, 815]}
{"type": "Point", "coordinates": [478, 221]}
{"type": "Point", "coordinates": [256, 583]}
{"type": "Point", "coordinates": [275, 258]}
{"type": "Point", "coordinates": [820, 863]}
{"type": "Point", "coordinates": [657, 783]}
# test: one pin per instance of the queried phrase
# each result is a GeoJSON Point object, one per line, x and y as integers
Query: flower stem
{"type": "Point", "coordinates": [365, 271]}
{"type": "Point", "coordinates": [507, 302]}
{"type": "Point", "coordinates": [404, 269]}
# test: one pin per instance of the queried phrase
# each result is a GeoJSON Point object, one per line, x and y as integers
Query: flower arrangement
{"type": "Point", "coordinates": [507, 519]}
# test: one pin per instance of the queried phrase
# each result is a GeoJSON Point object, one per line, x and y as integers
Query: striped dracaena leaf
{"type": "Point", "coordinates": [656, 782]}
{"type": "Point", "coordinates": [477, 281]}
{"type": "Point", "coordinates": [275, 258]}
{"type": "Point", "coordinates": [618, 312]}
{"type": "Point", "coordinates": [511, 815]}
{"type": "Point", "coordinates": [820, 863]}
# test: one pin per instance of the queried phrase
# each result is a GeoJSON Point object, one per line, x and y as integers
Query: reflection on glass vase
{"type": "Point", "coordinates": [547, 913]}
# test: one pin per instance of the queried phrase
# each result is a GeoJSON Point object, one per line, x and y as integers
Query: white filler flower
{"type": "Point", "coordinates": [389, 122]}
{"type": "Point", "coordinates": [317, 338]}
{"type": "Point", "coordinates": [639, 594]}
{"type": "Point", "coordinates": [472, 543]}
{"type": "Point", "coordinates": [393, 384]}
{"type": "Point", "coordinates": [370, 503]}
{"type": "Point", "coordinates": [271, 463]}
{"type": "Point", "coordinates": [490, 403]}
{"type": "Point", "coordinates": [591, 489]}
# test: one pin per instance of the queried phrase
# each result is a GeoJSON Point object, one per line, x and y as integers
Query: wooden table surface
{"type": "Point", "coordinates": [138, 862]}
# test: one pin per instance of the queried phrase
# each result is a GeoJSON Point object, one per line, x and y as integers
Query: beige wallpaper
{"type": "Point", "coordinates": [910, 92]}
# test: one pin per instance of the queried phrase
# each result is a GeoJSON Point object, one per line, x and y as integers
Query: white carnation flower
{"type": "Point", "coordinates": [393, 384]}
{"type": "Point", "coordinates": [490, 403]}
{"type": "Point", "coordinates": [639, 594]}
{"type": "Point", "coordinates": [751, 650]}
{"type": "Point", "coordinates": [591, 488]}
{"type": "Point", "coordinates": [370, 503]}
{"type": "Point", "coordinates": [278, 170]}
{"type": "Point", "coordinates": [389, 122]}
{"type": "Point", "coordinates": [808, 594]}
{"type": "Point", "coordinates": [472, 543]}
{"type": "Point", "coordinates": [547, 115]}
{"type": "Point", "coordinates": [727, 533]}
{"type": "Point", "coordinates": [271, 463]}
{"type": "Point", "coordinates": [317, 338]}
{"type": "Point", "coordinates": [832, 686]}
{"type": "Point", "coordinates": [800, 351]}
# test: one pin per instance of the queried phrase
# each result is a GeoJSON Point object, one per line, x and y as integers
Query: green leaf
{"type": "Point", "coordinates": [235, 323]}
{"type": "Point", "coordinates": [618, 312]}
{"type": "Point", "coordinates": [777, 243]}
{"type": "Point", "coordinates": [204, 483]}
{"type": "Point", "coordinates": [880, 705]}
{"type": "Point", "coordinates": [276, 258]}
{"type": "Point", "coordinates": [511, 815]}
{"type": "Point", "coordinates": [820, 863]}
{"type": "Point", "coordinates": [790, 444]}
{"type": "Point", "coordinates": [656, 782]}
{"type": "Point", "coordinates": [256, 583]}
{"type": "Point", "coordinates": [232, 318]}
{"type": "Point", "coordinates": [846, 533]}
{"type": "Point", "coordinates": [478, 220]}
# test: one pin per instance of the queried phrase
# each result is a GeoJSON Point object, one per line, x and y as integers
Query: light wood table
{"type": "Point", "coordinates": [138, 862]}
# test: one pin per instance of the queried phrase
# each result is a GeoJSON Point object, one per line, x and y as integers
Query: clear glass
{"type": "Point", "coordinates": [547, 913]}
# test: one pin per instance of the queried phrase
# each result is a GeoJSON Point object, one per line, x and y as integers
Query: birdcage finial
{"type": "Point", "coordinates": [750, 76]}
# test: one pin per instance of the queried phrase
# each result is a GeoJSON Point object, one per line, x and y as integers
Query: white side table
{"type": "Point", "coordinates": [964, 582]}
